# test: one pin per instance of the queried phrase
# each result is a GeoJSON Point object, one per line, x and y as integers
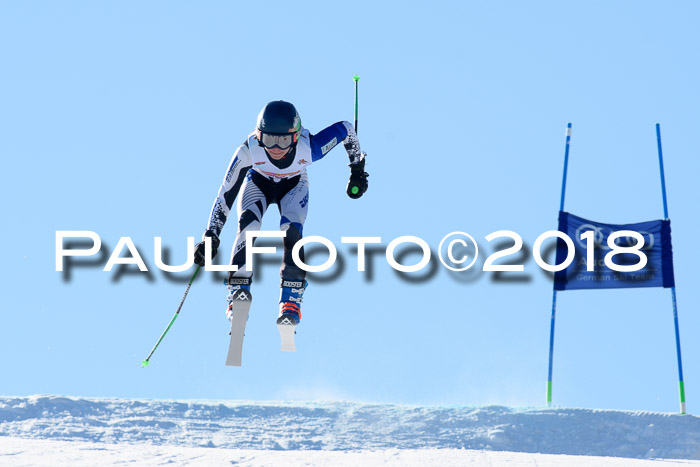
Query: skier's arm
{"type": "Point", "coordinates": [231, 185]}
{"type": "Point", "coordinates": [328, 138]}
{"type": "Point", "coordinates": [235, 174]}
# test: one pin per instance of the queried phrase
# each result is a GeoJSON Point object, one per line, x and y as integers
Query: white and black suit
{"type": "Point", "coordinates": [258, 181]}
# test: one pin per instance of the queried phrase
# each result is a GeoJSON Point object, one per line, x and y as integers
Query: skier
{"type": "Point", "coordinates": [270, 167]}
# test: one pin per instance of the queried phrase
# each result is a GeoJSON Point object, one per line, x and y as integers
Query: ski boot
{"type": "Point", "coordinates": [290, 302]}
{"type": "Point", "coordinates": [238, 291]}
{"type": "Point", "coordinates": [290, 312]}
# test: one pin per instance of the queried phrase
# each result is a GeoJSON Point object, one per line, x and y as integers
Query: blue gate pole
{"type": "Point", "coordinates": [554, 291]}
{"type": "Point", "coordinates": [681, 384]}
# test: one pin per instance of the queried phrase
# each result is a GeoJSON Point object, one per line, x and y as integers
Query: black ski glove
{"type": "Point", "coordinates": [199, 248]}
{"type": "Point", "coordinates": [358, 178]}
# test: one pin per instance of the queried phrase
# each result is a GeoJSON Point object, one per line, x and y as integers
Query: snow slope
{"type": "Point", "coordinates": [18, 452]}
{"type": "Point", "coordinates": [108, 425]}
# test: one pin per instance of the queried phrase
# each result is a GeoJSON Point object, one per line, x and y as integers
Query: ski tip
{"type": "Point", "coordinates": [356, 78]}
{"type": "Point", "coordinates": [144, 363]}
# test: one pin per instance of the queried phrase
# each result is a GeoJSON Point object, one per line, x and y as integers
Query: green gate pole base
{"type": "Point", "coordinates": [681, 386]}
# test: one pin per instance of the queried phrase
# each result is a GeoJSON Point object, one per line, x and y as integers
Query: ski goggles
{"type": "Point", "coordinates": [283, 141]}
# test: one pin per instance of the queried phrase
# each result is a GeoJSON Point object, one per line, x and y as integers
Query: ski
{"type": "Point", "coordinates": [287, 332]}
{"type": "Point", "coordinates": [242, 299]}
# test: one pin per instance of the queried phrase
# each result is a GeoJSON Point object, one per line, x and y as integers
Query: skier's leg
{"type": "Point", "coordinates": [251, 206]}
{"type": "Point", "coordinates": [293, 209]}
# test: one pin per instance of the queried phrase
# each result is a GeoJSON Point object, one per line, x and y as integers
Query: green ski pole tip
{"type": "Point", "coordinates": [144, 363]}
{"type": "Point", "coordinates": [355, 190]}
{"type": "Point", "coordinates": [356, 78]}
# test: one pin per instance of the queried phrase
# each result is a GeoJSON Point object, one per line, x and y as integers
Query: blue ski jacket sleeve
{"type": "Point", "coordinates": [328, 138]}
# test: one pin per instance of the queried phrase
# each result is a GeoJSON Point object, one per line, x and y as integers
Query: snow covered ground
{"type": "Point", "coordinates": [18, 452]}
{"type": "Point", "coordinates": [76, 431]}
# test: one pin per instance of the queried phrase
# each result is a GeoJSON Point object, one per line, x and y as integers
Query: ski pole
{"type": "Point", "coordinates": [147, 361]}
{"type": "Point", "coordinates": [354, 189]}
{"type": "Point", "coordinates": [356, 79]}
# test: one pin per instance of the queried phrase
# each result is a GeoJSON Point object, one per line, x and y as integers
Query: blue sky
{"type": "Point", "coordinates": [121, 118]}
